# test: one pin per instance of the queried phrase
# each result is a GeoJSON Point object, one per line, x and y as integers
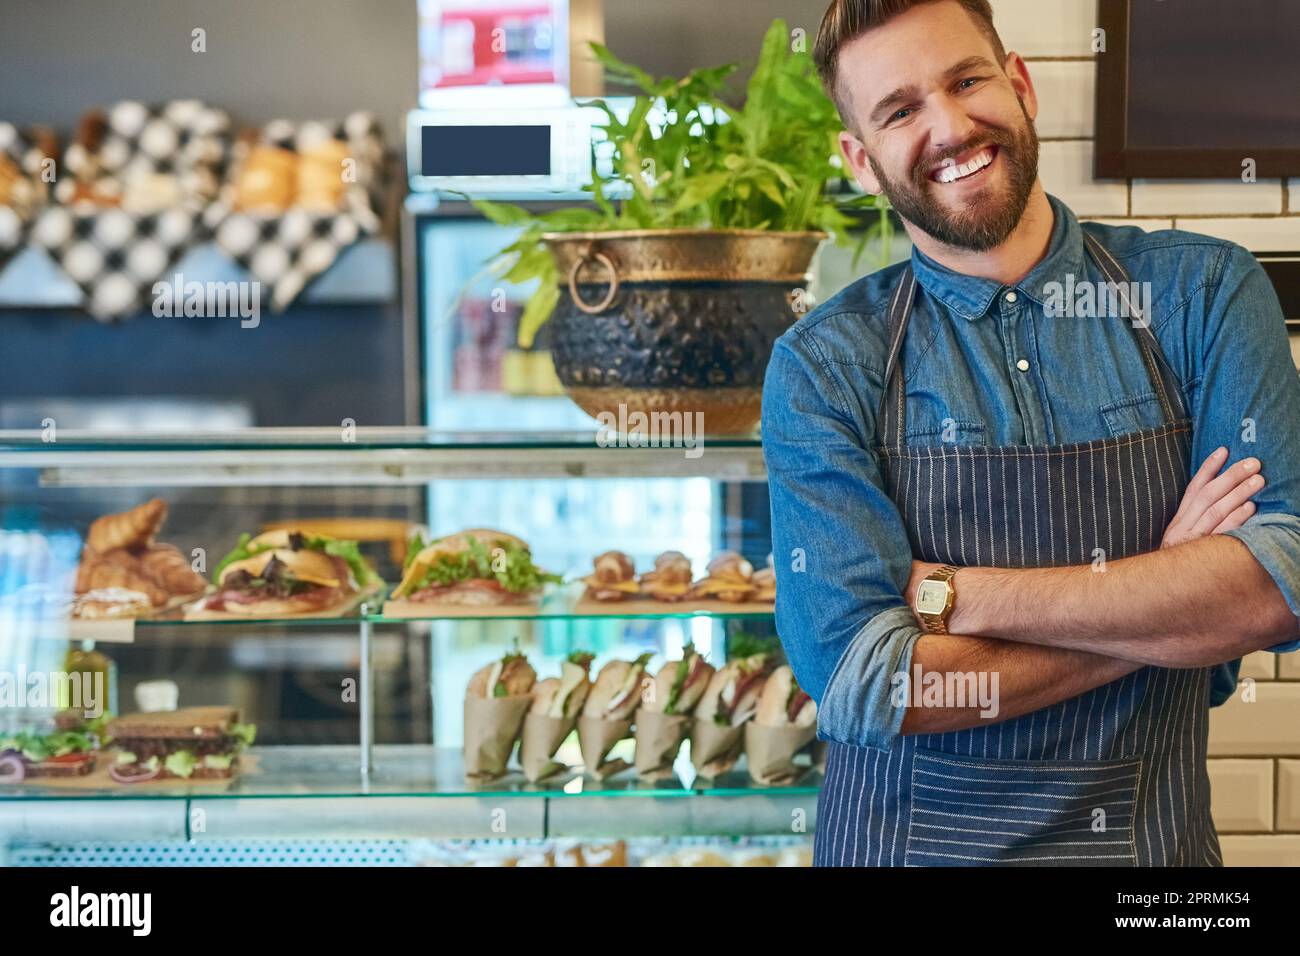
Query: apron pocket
{"type": "Point", "coordinates": [972, 812]}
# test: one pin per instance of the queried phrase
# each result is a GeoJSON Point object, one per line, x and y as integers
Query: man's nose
{"type": "Point", "coordinates": [950, 125]}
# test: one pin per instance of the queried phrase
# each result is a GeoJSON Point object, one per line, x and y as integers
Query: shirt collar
{"type": "Point", "coordinates": [971, 296]}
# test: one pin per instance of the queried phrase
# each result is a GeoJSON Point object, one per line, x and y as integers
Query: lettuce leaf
{"type": "Point", "coordinates": [351, 553]}
{"type": "Point", "coordinates": [241, 551]}
{"type": "Point", "coordinates": [244, 733]}
{"type": "Point", "coordinates": [181, 763]}
{"type": "Point", "coordinates": [518, 574]}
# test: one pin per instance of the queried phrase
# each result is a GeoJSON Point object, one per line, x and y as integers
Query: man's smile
{"type": "Point", "coordinates": [968, 167]}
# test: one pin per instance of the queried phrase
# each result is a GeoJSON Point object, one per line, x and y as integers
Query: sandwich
{"type": "Point", "coordinates": [671, 578]}
{"type": "Point", "coordinates": [69, 751]}
{"type": "Point", "coordinates": [783, 703]}
{"type": "Point", "coordinates": [680, 685]}
{"type": "Point", "coordinates": [509, 676]}
{"type": "Point", "coordinates": [729, 578]}
{"type": "Point", "coordinates": [287, 572]}
{"type": "Point", "coordinates": [733, 694]}
{"type": "Point", "coordinates": [475, 567]}
{"type": "Point", "coordinates": [194, 743]}
{"type": "Point", "coordinates": [563, 697]}
{"type": "Point", "coordinates": [556, 704]}
{"type": "Point", "coordinates": [616, 692]}
{"type": "Point", "coordinates": [764, 582]}
{"type": "Point", "coordinates": [497, 700]}
{"type": "Point", "coordinates": [613, 579]}
{"type": "Point", "coordinates": [784, 724]}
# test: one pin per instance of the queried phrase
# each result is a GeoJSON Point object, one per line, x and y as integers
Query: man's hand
{"type": "Point", "coordinates": [1212, 504]}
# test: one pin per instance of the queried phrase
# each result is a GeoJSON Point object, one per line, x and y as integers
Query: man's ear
{"type": "Point", "coordinates": [1018, 72]}
{"type": "Point", "coordinates": [855, 154]}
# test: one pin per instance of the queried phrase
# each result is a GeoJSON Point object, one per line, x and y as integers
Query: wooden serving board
{"type": "Point", "coordinates": [194, 613]}
{"type": "Point", "coordinates": [637, 606]}
{"type": "Point", "coordinates": [99, 779]}
{"type": "Point", "coordinates": [432, 609]}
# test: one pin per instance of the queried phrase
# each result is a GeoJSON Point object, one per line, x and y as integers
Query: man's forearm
{"type": "Point", "coordinates": [1196, 604]}
{"type": "Point", "coordinates": [1029, 678]}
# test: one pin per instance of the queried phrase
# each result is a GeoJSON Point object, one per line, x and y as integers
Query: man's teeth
{"type": "Point", "coordinates": [952, 172]}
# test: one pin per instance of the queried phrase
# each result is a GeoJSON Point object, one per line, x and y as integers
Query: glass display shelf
{"type": "Point", "coordinates": [422, 771]}
{"type": "Point", "coordinates": [349, 455]}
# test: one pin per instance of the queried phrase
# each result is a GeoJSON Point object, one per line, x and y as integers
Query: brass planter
{"type": "Point", "coordinates": [675, 320]}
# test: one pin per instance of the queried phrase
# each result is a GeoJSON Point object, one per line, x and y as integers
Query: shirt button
{"type": "Point", "coordinates": [1023, 365]}
{"type": "Point", "coordinates": [1011, 297]}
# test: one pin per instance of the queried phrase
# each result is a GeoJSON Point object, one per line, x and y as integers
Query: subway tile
{"type": "Point", "coordinates": [1288, 665]}
{"type": "Point", "coordinates": [1288, 795]}
{"type": "Point", "coordinates": [1190, 197]}
{"type": "Point", "coordinates": [1261, 665]}
{"type": "Point", "coordinates": [1260, 850]}
{"type": "Point", "coordinates": [1241, 795]}
{"type": "Point", "coordinates": [1277, 234]}
{"type": "Point", "coordinates": [1066, 94]}
{"type": "Point", "coordinates": [1046, 27]}
{"type": "Point", "coordinates": [1267, 726]}
{"type": "Point", "coordinates": [1066, 170]}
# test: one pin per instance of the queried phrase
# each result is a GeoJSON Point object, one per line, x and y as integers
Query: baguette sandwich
{"type": "Point", "coordinates": [475, 567]}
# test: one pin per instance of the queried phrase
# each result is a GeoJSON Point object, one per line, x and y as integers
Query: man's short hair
{"type": "Point", "coordinates": [846, 20]}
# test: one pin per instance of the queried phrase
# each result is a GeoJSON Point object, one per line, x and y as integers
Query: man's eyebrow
{"type": "Point", "coordinates": [885, 105]}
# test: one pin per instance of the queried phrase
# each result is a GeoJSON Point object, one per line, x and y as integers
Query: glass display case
{"type": "Point", "coordinates": [358, 748]}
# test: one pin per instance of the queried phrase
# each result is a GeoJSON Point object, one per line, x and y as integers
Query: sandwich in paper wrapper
{"type": "Point", "coordinates": [496, 701]}
{"type": "Point", "coordinates": [556, 703]}
{"type": "Point", "coordinates": [663, 720]}
{"type": "Point", "coordinates": [607, 715]}
{"type": "Point", "coordinates": [729, 701]}
{"type": "Point", "coordinates": [785, 723]}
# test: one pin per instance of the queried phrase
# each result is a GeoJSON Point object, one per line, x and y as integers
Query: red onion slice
{"type": "Point", "coordinates": [120, 774]}
{"type": "Point", "coordinates": [12, 768]}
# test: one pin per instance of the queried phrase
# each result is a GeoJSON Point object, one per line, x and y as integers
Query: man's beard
{"type": "Point", "coordinates": [987, 219]}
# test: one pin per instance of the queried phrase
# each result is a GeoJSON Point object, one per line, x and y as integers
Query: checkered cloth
{"type": "Point", "coordinates": [163, 165]}
{"type": "Point", "coordinates": [286, 252]}
{"type": "Point", "coordinates": [30, 196]}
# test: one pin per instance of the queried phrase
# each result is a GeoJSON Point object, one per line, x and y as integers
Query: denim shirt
{"type": "Point", "coordinates": [841, 551]}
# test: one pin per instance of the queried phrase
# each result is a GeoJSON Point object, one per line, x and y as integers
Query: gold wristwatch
{"type": "Point", "coordinates": [935, 596]}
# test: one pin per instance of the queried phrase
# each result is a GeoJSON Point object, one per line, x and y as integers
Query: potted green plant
{"type": "Point", "coordinates": [670, 298]}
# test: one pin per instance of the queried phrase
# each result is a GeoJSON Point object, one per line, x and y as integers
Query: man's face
{"type": "Point", "coordinates": [943, 130]}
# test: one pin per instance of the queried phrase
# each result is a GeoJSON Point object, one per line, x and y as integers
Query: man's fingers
{"type": "Point", "coordinates": [1191, 507]}
{"type": "Point", "coordinates": [1231, 479]}
{"type": "Point", "coordinates": [1235, 520]}
{"type": "Point", "coordinates": [1222, 508]}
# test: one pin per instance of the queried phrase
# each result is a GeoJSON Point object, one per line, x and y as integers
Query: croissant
{"type": "Point", "coordinates": [166, 565]}
{"type": "Point", "coordinates": [120, 569]}
{"type": "Point", "coordinates": [132, 529]}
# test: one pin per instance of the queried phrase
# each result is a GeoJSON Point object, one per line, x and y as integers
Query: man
{"type": "Point", "coordinates": [1034, 688]}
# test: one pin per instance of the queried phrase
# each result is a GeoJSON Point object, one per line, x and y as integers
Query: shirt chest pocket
{"type": "Point", "coordinates": [949, 431]}
{"type": "Point", "coordinates": [1134, 413]}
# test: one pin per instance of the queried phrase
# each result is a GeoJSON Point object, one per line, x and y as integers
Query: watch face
{"type": "Point", "coordinates": [931, 597]}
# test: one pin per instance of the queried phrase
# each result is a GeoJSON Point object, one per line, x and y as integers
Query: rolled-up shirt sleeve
{"type": "Point", "coordinates": [1249, 402]}
{"type": "Point", "coordinates": [840, 550]}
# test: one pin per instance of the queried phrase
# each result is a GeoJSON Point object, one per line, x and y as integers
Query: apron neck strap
{"type": "Point", "coordinates": [891, 416]}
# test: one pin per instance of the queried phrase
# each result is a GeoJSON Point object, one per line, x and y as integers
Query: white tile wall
{"type": "Point", "coordinates": [1048, 28]}
{"type": "Point", "coordinates": [1267, 726]}
{"type": "Point", "coordinates": [1261, 850]}
{"type": "Point", "coordinates": [1215, 197]}
{"type": "Point", "coordinates": [1066, 98]}
{"type": "Point", "coordinates": [1288, 795]}
{"type": "Point", "coordinates": [1277, 234]}
{"type": "Point", "coordinates": [1241, 795]}
{"type": "Point", "coordinates": [1066, 171]}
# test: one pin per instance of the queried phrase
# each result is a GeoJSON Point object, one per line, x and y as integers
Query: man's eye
{"type": "Point", "coordinates": [967, 83]}
{"type": "Point", "coordinates": [900, 115]}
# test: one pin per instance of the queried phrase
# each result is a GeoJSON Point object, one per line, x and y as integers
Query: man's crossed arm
{"type": "Point", "coordinates": [1054, 633]}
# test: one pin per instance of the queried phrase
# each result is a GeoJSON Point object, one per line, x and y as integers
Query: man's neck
{"type": "Point", "coordinates": [1007, 263]}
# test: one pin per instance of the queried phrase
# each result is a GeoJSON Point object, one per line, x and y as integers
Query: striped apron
{"type": "Point", "coordinates": [1114, 777]}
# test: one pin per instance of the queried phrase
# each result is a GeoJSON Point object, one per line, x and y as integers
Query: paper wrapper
{"type": "Point", "coordinates": [714, 749]}
{"type": "Point", "coordinates": [597, 738]}
{"type": "Point", "coordinates": [770, 752]}
{"type": "Point", "coordinates": [542, 737]}
{"type": "Point", "coordinates": [658, 737]}
{"type": "Point", "coordinates": [491, 726]}
{"type": "Point", "coordinates": [820, 749]}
